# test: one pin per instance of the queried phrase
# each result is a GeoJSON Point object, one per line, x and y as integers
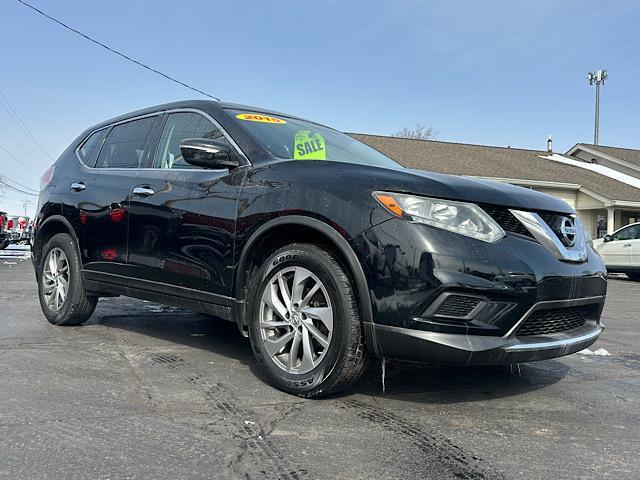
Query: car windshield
{"type": "Point", "coordinates": [294, 139]}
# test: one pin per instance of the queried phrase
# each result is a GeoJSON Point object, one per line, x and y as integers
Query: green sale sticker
{"type": "Point", "coordinates": [309, 147]}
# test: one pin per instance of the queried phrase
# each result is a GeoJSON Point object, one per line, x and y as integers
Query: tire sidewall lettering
{"type": "Point", "coordinates": [314, 378]}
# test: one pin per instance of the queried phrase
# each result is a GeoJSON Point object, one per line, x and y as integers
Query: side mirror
{"type": "Point", "coordinates": [206, 153]}
{"type": "Point", "coordinates": [607, 238]}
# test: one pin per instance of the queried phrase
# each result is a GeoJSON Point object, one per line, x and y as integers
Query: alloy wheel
{"type": "Point", "coordinates": [55, 279]}
{"type": "Point", "coordinates": [296, 319]}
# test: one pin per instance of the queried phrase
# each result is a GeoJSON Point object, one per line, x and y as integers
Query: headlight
{"type": "Point", "coordinates": [459, 217]}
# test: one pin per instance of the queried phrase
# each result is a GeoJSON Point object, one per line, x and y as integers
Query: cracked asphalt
{"type": "Point", "coordinates": [145, 391]}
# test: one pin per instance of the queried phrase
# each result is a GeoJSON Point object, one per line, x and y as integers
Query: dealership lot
{"type": "Point", "coordinates": [146, 391]}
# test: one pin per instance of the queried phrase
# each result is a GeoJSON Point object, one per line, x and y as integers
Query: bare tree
{"type": "Point", "coordinates": [419, 132]}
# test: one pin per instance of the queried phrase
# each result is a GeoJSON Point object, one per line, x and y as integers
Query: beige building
{"type": "Point", "coordinates": [605, 197]}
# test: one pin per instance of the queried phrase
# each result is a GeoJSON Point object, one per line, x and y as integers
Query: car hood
{"type": "Point", "coordinates": [484, 191]}
{"type": "Point", "coordinates": [456, 187]}
{"type": "Point", "coordinates": [338, 176]}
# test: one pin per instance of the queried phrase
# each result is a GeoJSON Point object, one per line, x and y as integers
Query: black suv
{"type": "Point", "coordinates": [325, 252]}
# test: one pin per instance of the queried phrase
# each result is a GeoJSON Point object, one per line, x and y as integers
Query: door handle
{"type": "Point", "coordinates": [143, 191]}
{"type": "Point", "coordinates": [78, 186]}
{"type": "Point", "coordinates": [627, 245]}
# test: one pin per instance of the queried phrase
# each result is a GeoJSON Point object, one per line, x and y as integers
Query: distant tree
{"type": "Point", "coordinates": [419, 132]}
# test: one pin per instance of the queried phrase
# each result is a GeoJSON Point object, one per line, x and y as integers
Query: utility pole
{"type": "Point", "coordinates": [26, 204]}
{"type": "Point", "coordinates": [598, 78]}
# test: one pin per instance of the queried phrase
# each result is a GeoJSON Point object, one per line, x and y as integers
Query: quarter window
{"type": "Point", "coordinates": [91, 146]}
{"type": "Point", "coordinates": [178, 127]}
{"type": "Point", "coordinates": [127, 145]}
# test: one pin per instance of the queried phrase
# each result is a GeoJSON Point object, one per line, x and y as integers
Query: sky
{"type": "Point", "coordinates": [492, 72]}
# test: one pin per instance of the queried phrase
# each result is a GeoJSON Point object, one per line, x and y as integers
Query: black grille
{"type": "Point", "coordinates": [553, 220]}
{"type": "Point", "coordinates": [510, 223]}
{"type": "Point", "coordinates": [550, 218]}
{"type": "Point", "coordinates": [457, 306]}
{"type": "Point", "coordinates": [555, 320]}
{"type": "Point", "coordinates": [506, 220]}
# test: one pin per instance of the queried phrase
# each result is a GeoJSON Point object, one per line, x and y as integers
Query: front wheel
{"type": "Point", "coordinates": [63, 298]}
{"type": "Point", "coordinates": [304, 324]}
{"type": "Point", "coordinates": [634, 276]}
{"type": "Point", "coordinates": [4, 244]}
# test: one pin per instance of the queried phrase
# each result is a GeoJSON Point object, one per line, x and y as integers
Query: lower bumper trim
{"type": "Point", "coordinates": [566, 342]}
{"type": "Point", "coordinates": [460, 349]}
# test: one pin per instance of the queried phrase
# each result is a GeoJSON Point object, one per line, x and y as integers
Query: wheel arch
{"type": "Point", "coordinates": [51, 226]}
{"type": "Point", "coordinates": [302, 229]}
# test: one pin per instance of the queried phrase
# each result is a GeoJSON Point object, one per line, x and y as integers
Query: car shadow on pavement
{"type": "Point", "coordinates": [422, 383]}
{"type": "Point", "coordinates": [405, 381]}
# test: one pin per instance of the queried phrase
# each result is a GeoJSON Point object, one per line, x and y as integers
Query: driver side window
{"type": "Point", "coordinates": [629, 233]}
{"type": "Point", "coordinates": [178, 127]}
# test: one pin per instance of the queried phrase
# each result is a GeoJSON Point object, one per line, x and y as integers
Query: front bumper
{"type": "Point", "coordinates": [411, 268]}
{"type": "Point", "coordinates": [458, 349]}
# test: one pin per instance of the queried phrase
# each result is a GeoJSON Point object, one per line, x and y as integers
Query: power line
{"type": "Point", "coordinates": [18, 161]}
{"type": "Point", "coordinates": [22, 125]}
{"type": "Point", "coordinates": [4, 178]}
{"type": "Point", "coordinates": [15, 189]}
{"type": "Point", "coordinates": [126, 57]}
{"type": "Point", "coordinates": [5, 184]}
{"type": "Point", "coordinates": [21, 146]}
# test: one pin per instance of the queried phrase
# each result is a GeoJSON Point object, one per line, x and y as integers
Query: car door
{"type": "Point", "coordinates": [182, 217]}
{"type": "Point", "coordinates": [617, 251]}
{"type": "Point", "coordinates": [99, 194]}
{"type": "Point", "coordinates": [635, 249]}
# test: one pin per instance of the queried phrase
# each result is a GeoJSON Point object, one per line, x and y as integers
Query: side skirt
{"type": "Point", "coordinates": [109, 284]}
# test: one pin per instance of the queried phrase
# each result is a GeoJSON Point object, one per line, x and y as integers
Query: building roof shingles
{"type": "Point", "coordinates": [626, 154]}
{"type": "Point", "coordinates": [496, 162]}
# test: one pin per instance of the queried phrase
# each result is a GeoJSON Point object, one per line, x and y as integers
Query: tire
{"type": "Point", "coordinates": [333, 355]}
{"type": "Point", "coordinates": [76, 307]}
{"type": "Point", "coordinates": [4, 245]}
{"type": "Point", "coordinates": [634, 276]}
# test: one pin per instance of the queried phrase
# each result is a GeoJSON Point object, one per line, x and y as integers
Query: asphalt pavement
{"type": "Point", "coordinates": [146, 391]}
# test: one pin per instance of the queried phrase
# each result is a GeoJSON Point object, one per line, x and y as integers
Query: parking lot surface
{"type": "Point", "coordinates": [146, 391]}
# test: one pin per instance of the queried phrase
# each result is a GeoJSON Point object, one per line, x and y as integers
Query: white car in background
{"type": "Point", "coordinates": [621, 251]}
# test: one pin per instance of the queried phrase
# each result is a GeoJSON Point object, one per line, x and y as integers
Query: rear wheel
{"type": "Point", "coordinates": [304, 323]}
{"type": "Point", "coordinates": [63, 298]}
{"type": "Point", "coordinates": [4, 245]}
{"type": "Point", "coordinates": [634, 276]}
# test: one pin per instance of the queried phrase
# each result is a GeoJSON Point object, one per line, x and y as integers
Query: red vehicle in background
{"type": "Point", "coordinates": [14, 229]}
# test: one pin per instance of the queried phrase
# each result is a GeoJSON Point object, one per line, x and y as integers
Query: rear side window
{"type": "Point", "coordinates": [91, 146]}
{"type": "Point", "coordinates": [178, 127]}
{"type": "Point", "coordinates": [127, 145]}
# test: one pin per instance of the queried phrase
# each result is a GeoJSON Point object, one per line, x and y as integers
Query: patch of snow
{"type": "Point", "coordinates": [15, 246]}
{"type": "Point", "coordinates": [601, 169]}
{"type": "Point", "coordinates": [601, 352]}
{"type": "Point", "coordinates": [15, 253]}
